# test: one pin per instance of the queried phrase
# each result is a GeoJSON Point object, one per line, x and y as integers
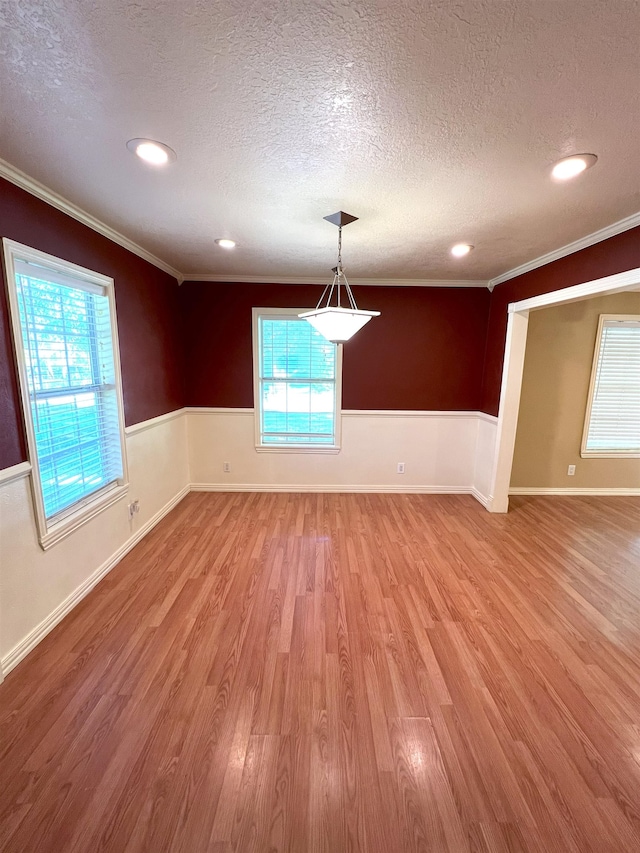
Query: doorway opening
{"type": "Point", "coordinates": [512, 372]}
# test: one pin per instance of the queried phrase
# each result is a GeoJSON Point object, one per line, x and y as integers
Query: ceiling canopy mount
{"type": "Point", "coordinates": [340, 218]}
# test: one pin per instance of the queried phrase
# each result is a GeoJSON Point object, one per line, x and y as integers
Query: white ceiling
{"type": "Point", "coordinates": [433, 122]}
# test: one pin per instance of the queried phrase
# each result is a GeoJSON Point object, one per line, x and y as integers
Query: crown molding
{"type": "Point", "coordinates": [322, 280]}
{"type": "Point", "coordinates": [35, 188]}
{"type": "Point", "coordinates": [22, 180]}
{"type": "Point", "coordinates": [597, 237]}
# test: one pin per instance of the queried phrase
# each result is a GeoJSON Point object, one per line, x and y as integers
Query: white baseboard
{"type": "Point", "coordinates": [485, 500]}
{"type": "Point", "coordinates": [521, 490]}
{"type": "Point", "coordinates": [13, 658]}
{"type": "Point", "coordinates": [342, 489]}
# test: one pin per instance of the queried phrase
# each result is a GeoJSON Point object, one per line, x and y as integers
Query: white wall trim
{"type": "Point", "coordinates": [491, 419]}
{"type": "Point", "coordinates": [217, 410]}
{"type": "Point", "coordinates": [347, 413]}
{"type": "Point", "coordinates": [152, 422]}
{"type": "Point", "coordinates": [510, 389]}
{"type": "Point", "coordinates": [15, 472]}
{"type": "Point", "coordinates": [13, 658]}
{"type": "Point", "coordinates": [596, 237]}
{"type": "Point", "coordinates": [407, 413]}
{"type": "Point", "coordinates": [223, 278]}
{"type": "Point", "coordinates": [578, 492]}
{"type": "Point", "coordinates": [609, 284]}
{"type": "Point", "coordinates": [22, 180]}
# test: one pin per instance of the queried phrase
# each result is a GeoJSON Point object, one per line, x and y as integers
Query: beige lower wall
{"type": "Point", "coordinates": [555, 387]}
{"type": "Point", "coordinates": [439, 449]}
{"type": "Point", "coordinates": [38, 587]}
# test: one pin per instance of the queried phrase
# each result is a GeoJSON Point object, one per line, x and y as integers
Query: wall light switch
{"type": "Point", "coordinates": [571, 470]}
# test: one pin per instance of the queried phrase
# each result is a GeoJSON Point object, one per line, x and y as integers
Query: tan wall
{"type": "Point", "coordinates": [555, 387]}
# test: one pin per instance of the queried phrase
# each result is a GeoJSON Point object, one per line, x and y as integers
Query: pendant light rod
{"type": "Point", "coordinates": [338, 271]}
{"type": "Point", "coordinates": [340, 219]}
{"type": "Point", "coordinates": [335, 323]}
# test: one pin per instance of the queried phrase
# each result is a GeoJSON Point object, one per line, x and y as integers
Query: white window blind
{"type": "Point", "coordinates": [297, 383]}
{"type": "Point", "coordinates": [612, 425]}
{"type": "Point", "coordinates": [66, 332]}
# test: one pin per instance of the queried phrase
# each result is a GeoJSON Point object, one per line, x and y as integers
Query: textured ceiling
{"type": "Point", "coordinates": [433, 122]}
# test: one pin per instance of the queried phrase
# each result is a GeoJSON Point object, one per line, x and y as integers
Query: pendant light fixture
{"type": "Point", "coordinates": [336, 322]}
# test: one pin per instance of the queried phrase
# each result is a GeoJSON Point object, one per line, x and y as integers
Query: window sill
{"type": "Point", "coordinates": [610, 454]}
{"type": "Point", "coordinates": [65, 527]}
{"type": "Point", "coordinates": [296, 448]}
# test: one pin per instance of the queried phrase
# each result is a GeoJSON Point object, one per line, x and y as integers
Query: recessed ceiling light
{"type": "Point", "coordinates": [226, 244]}
{"type": "Point", "coordinates": [571, 166]}
{"type": "Point", "coordinates": [460, 250]}
{"type": "Point", "coordinates": [155, 153]}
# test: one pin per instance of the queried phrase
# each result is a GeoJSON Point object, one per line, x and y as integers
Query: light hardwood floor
{"type": "Point", "coordinates": [273, 672]}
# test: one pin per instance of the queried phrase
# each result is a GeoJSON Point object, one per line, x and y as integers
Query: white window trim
{"type": "Point", "coordinates": [285, 313]}
{"type": "Point", "coordinates": [602, 454]}
{"type": "Point", "coordinates": [52, 531]}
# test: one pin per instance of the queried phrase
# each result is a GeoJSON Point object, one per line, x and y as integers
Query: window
{"type": "Point", "coordinates": [296, 383]}
{"type": "Point", "coordinates": [65, 338]}
{"type": "Point", "coordinates": [612, 425]}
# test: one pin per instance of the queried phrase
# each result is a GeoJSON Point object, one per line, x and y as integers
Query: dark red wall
{"type": "Point", "coordinates": [147, 309]}
{"type": "Point", "coordinates": [611, 256]}
{"type": "Point", "coordinates": [425, 351]}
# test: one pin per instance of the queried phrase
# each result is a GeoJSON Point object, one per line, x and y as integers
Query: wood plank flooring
{"type": "Point", "coordinates": [340, 673]}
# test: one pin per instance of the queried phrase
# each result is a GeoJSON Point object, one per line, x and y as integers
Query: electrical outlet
{"type": "Point", "coordinates": [226, 467]}
{"type": "Point", "coordinates": [400, 467]}
{"type": "Point", "coordinates": [134, 508]}
{"type": "Point", "coordinates": [571, 470]}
